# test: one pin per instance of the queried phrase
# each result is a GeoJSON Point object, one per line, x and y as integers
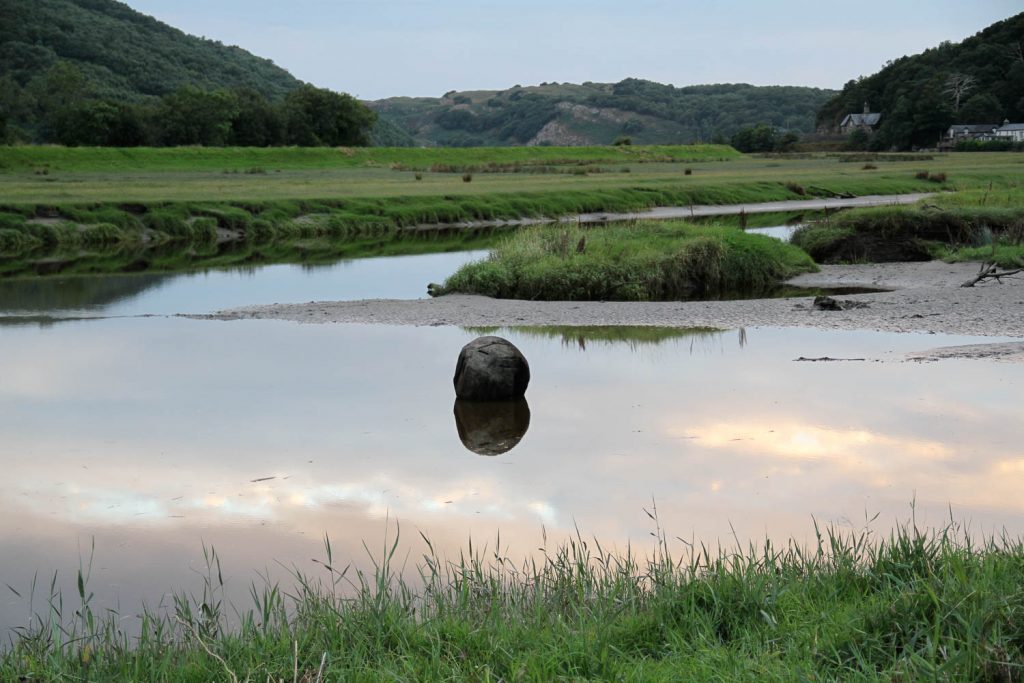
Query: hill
{"type": "Point", "coordinates": [96, 72]}
{"type": "Point", "coordinates": [123, 53]}
{"type": "Point", "coordinates": [980, 80]}
{"type": "Point", "coordinates": [599, 113]}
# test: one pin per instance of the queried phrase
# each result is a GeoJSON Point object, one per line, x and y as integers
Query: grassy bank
{"type": "Point", "coordinates": [632, 262]}
{"type": "Point", "coordinates": [912, 606]}
{"type": "Point", "coordinates": [961, 231]}
{"type": "Point", "coordinates": [35, 228]}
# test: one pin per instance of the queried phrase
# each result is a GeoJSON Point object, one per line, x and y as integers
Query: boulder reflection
{"type": "Point", "coordinates": [491, 427]}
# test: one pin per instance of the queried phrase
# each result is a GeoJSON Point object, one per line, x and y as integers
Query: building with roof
{"type": "Point", "coordinates": [970, 131]}
{"type": "Point", "coordinates": [865, 121]}
{"type": "Point", "coordinates": [1013, 132]}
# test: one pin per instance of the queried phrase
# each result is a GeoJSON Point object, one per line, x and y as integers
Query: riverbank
{"type": "Point", "coordinates": [936, 605]}
{"type": "Point", "coordinates": [925, 297]}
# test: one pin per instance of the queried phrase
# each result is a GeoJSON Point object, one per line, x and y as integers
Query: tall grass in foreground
{"type": "Point", "coordinates": [915, 605]}
{"type": "Point", "coordinates": [630, 262]}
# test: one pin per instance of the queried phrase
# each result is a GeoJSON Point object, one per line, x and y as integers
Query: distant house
{"type": "Point", "coordinates": [1009, 131]}
{"type": "Point", "coordinates": [970, 131]}
{"type": "Point", "coordinates": [865, 121]}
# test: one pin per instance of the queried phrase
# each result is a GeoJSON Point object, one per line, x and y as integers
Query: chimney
{"type": "Point", "coordinates": [867, 109]}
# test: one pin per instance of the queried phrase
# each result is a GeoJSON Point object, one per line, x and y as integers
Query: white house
{"type": "Point", "coordinates": [1009, 131]}
{"type": "Point", "coordinates": [971, 131]}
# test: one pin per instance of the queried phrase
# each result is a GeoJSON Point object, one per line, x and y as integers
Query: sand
{"type": "Point", "coordinates": [925, 297]}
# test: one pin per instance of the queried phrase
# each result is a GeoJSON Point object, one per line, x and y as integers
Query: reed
{"type": "Point", "coordinates": [910, 605]}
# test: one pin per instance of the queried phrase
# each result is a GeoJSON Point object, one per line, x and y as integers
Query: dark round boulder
{"type": "Point", "coordinates": [491, 427]}
{"type": "Point", "coordinates": [491, 369]}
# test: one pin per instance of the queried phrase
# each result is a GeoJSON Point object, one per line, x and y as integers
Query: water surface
{"type": "Point", "coordinates": [389, 277]}
{"type": "Point", "coordinates": [154, 436]}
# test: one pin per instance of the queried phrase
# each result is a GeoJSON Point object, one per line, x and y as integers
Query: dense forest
{"type": "Point", "coordinates": [599, 113]}
{"type": "Point", "coordinates": [980, 80]}
{"type": "Point", "coordinates": [96, 72]}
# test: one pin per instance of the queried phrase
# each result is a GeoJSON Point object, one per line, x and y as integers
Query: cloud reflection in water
{"type": "Point", "coordinates": [156, 435]}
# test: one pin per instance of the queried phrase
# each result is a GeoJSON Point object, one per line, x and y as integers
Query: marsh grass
{"type": "Point", "coordinates": [912, 605]}
{"type": "Point", "coordinates": [907, 234]}
{"type": "Point", "coordinates": [651, 261]}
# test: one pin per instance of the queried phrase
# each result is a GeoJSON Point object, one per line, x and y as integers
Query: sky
{"type": "Point", "coordinates": [382, 48]}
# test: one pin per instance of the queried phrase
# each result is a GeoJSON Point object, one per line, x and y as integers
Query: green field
{"type": "Point", "coordinates": [57, 176]}
{"type": "Point", "coordinates": [69, 205]}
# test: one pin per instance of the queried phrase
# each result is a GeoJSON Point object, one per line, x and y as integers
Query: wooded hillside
{"type": "Point", "coordinates": [599, 113]}
{"type": "Point", "coordinates": [980, 80]}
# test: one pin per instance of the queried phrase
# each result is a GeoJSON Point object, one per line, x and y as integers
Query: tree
{"type": "Point", "coordinates": [957, 87]}
{"type": "Point", "coordinates": [257, 122]}
{"type": "Point", "coordinates": [190, 116]}
{"type": "Point", "coordinates": [981, 108]}
{"type": "Point", "coordinates": [317, 117]}
{"type": "Point", "coordinates": [787, 143]}
{"type": "Point", "coordinates": [760, 138]}
{"type": "Point", "coordinates": [858, 140]}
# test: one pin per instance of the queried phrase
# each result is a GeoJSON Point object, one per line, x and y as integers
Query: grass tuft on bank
{"type": "Point", "coordinates": [660, 261]}
{"type": "Point", "coordinates": [889, 234]}
{"type": "Point", "coordinates": [936, 605]}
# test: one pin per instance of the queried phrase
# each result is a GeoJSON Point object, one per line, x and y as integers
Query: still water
{"type": "Point", "coordinates": [391, 277]}
{"type": "Point", "coordinates": [150, 437]}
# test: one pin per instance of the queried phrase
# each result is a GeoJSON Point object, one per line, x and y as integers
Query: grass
{"type": "Point", "coordinates": [58, 200]}
{"type": "Point", "coordinates": [630, 262]}
{"type": "Point", "coordinates": [913, 605]}
{"type": "Point", "coordinates": [259, 160]}
{"type": "Point", "coordinates": [81, 175]}
{"type": "Point", "coordinates": [911, 234]}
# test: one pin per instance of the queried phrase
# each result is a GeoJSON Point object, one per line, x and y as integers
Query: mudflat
{"type": "Point", "coordinates": [924, 297]}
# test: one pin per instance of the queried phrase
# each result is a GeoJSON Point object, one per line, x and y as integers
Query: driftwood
{"type": "Point", "coordinates": [990, 271]}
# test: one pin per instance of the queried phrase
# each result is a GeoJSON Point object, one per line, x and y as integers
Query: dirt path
{"type": "Point", "coordinates": [699, 211]}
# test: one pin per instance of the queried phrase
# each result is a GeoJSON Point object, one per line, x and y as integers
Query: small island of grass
{"type": "Point", "coordinates": [630, 262]}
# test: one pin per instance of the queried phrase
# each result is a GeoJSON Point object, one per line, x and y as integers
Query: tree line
{"type": "Point", "coordinates": [307, 116]}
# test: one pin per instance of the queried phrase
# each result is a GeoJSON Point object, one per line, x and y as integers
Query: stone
{"type": "Point", "coordinates": [491, 369]}
{"type": "Point", "coordinates": [491, 427]}
{"type": "Point", "coordinates": [827, 303]}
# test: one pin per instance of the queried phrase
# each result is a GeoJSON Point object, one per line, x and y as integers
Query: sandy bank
{"type": "Point", "coordinates": [926, 297]}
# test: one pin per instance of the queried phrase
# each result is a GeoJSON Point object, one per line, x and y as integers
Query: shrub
{"type": "Point", "coordinates": [17, 241]}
